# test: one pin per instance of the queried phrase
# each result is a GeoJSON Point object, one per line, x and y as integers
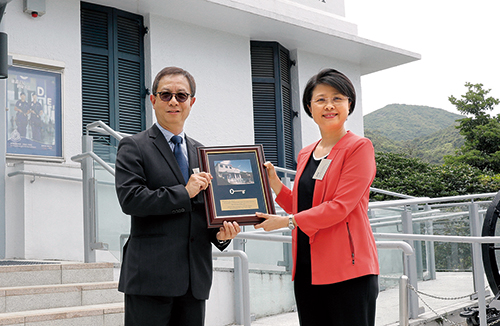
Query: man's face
{"type": "Point", "coordinates": [171, 115]}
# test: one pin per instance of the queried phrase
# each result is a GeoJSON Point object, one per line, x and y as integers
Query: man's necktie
{"type": "Point", "coordinates": [181, 159]}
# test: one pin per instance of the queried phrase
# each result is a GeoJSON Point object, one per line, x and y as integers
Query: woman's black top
{"type": "Point", "coordinates": [305, 200]}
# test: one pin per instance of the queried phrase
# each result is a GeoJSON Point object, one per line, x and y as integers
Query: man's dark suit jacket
{"type": "Point", "coordinates": [169, 248]}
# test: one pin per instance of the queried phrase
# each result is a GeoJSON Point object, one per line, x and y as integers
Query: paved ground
{"type": "Point", "coordinates": [447, 285]}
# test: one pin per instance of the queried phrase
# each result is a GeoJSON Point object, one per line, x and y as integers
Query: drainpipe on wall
{"type": "Point", "coordinates": [5, 62]}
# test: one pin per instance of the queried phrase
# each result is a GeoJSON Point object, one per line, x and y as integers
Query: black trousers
{"type": "Point", "coordinates": [347, 303]}
{"type": "Point", "coordinates": [143, 310]}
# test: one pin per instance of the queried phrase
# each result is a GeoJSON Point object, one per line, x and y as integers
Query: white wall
{"type": "Point", "coordinates": [44, 218]}
{"type": "Point", "coordinates": [220, 64]}
{"type": "Point", "coordinates": [44, 215]}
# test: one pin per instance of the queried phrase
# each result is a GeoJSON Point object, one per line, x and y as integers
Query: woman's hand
{"type": "Point", "coordinates": [274, 181]}
{"type": "Point", "coordinates": [272, 222]}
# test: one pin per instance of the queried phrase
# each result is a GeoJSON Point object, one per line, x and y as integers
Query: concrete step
{"type": "Point", "coordinates": [55, 273]}
{"type": "Point", "coordinates": [14, 299]}
{"type": "Point", "coordinates": [59, 293]}
{"type": "Point", "coordinates": [110, 314]}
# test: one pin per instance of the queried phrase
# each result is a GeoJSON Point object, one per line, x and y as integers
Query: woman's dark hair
{"type": "Point", "coordinates": [169, 71]}
{"type": "Point", "coordinates": [333, 78]}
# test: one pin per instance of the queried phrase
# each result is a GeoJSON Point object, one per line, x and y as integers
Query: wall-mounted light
{"type": "Point", "coordinates": [35, 8]}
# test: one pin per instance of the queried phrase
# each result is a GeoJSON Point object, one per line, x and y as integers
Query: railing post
{"type": "Point", "coordinates": [477, 265]}
{"type": "Point", "coordinates": [287, 247]}
{"type": "Point", "coordinates": [238, 244]}
{"type": "Point", "coordinates": [244, 295]}
{"type": "Point", "coordinates": [89, 231]}
{"type": "Point", "coordinates": [430, 251]}
{"type": "Point", "coordinates": [403, 301]}
{"type": "Point", "coordinates": [286, 181]}
{"type": "Point", "coordinates": [406, 219]}
{"type": "Point", "coordinates": [429, 247]}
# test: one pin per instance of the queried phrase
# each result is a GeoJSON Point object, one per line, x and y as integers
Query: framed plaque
{"type": "Point", "coordinates": [240, 186]}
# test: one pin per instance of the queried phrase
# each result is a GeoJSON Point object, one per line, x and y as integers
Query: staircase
{"type": "Point", "coordinates": [53, 294]}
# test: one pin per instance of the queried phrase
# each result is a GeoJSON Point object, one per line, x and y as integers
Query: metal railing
{"type": "Point", "coordinates": [87, 159]}
{"type": "Point", "coordinates": [242, 275]}
{"type": "Point", "coordinates": [43, 175]}
{"type": "Point", "coordinates": [405, 207]}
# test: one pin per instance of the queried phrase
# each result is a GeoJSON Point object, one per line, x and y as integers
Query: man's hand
{"type": "Point", "coordinates": [228, 231]}
{"type": "Point", "coordinates": [198, 182]}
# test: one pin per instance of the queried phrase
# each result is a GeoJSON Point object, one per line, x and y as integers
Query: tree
{"type": "Point", "coordinates": [412, 176]}
{"type": "Point", "coordinates": [481, 131]}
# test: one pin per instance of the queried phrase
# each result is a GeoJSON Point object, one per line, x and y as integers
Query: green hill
{"type": "Point", "coordinates": [406, 122]}
{"type": "Point", "coordinates": [418, 131]}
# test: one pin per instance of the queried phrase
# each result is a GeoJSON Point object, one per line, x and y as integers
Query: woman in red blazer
{"type": "Point", "coordinates": [336, 267]}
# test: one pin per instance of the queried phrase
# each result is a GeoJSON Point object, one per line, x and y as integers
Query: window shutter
{"type": "Point", "coordinates": [264, 101]}
{"type": "Point", "coordinates": [271, 93]}
{"type": "Point", "coordinates": [286, 99]}
{"type": "Point", "coordinates": [112, 71]}
{"type": "Point", "coordinates": [131, 95]}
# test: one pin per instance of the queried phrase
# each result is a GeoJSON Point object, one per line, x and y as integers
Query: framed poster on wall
{"type": "Point", "coordinates": [34, 113]}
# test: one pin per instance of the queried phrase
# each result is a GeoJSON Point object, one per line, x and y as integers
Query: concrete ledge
{"type": "Point", "coordinates": [90, 272]}
{"type": "Point", "coordinates": [16, 299]}
{"type": "Point", "coordinates": [61, 273]}
{"type": "Point", "coordinates": [87, 315]}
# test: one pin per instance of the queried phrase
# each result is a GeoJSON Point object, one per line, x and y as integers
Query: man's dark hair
{"type": "Point", "coordinates": [169, 71]}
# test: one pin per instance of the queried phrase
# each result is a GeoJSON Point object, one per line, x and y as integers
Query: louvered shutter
{"type": "Point", "coordinates": [131, 90]}
{"type": "Point", "coordinates": [112, 72]}
{"type": "Point", "coordinates": [286, 101]}
{"type": "Point", "coordinates": [272, 102]}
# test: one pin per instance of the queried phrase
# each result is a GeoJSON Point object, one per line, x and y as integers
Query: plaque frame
{"type": "Point", "coordinates": [240, 185]}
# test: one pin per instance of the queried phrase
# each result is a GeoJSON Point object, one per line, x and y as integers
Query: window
{"type": "Point", "coordinates": [272, 105]}
{"type": "Point", "coordinates": [112, 69]}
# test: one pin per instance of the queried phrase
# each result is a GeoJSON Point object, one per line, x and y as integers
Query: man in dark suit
{"type": "Point", "coordinates": [166, 270]}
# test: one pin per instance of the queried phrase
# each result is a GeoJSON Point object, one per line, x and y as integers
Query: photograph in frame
{"type": "Point", "coordinates": [240, 186]}
{"type": "Point", "coordinates": [33, 113]}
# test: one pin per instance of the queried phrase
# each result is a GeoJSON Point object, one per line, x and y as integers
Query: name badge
{"type": "Point", "coordinates": [322, 168]}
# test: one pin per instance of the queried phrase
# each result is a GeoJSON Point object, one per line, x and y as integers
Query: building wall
{"type": "Point", "coordinates": [44, 217]}
{"type": "Point", "coordinates": [220, 63]}
{"type": "Point", "coordinates": [37, 225]}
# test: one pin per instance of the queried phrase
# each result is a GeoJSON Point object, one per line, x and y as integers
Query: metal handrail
{"type": "Point", "coordinates": [265, 236]}
{"type": "Point", "coordinates": [106, 166]}
{"type": "Point", "coordinates": [427, 200]}
{"type": "Point", "coordinates": [245, 281]}
{"type": "Point", "coordinates": [477, 264]}
{"type": "Point", "coordinates": [102, 128]}
{"type": "Point", "coordinates": [437, 238]}
{"type": "Point", "coordinates": [45, 175]}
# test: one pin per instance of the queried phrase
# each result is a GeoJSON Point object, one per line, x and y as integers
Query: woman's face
{"type": "Point", "coordinates": [329, 108]}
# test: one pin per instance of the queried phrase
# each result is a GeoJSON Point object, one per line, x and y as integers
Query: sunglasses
{"type": "Point", "coordinates": [167, 96]}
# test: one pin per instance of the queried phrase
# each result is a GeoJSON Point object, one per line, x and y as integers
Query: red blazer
{"type": "Point", "coordinates": [342, 242]}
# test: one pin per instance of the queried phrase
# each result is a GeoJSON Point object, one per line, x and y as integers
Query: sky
{"type": "Point", "coordinates": [459, 42]}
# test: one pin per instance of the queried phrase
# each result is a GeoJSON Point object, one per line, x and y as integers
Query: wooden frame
{"type": "Point", "coordinates": [240, 186]}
